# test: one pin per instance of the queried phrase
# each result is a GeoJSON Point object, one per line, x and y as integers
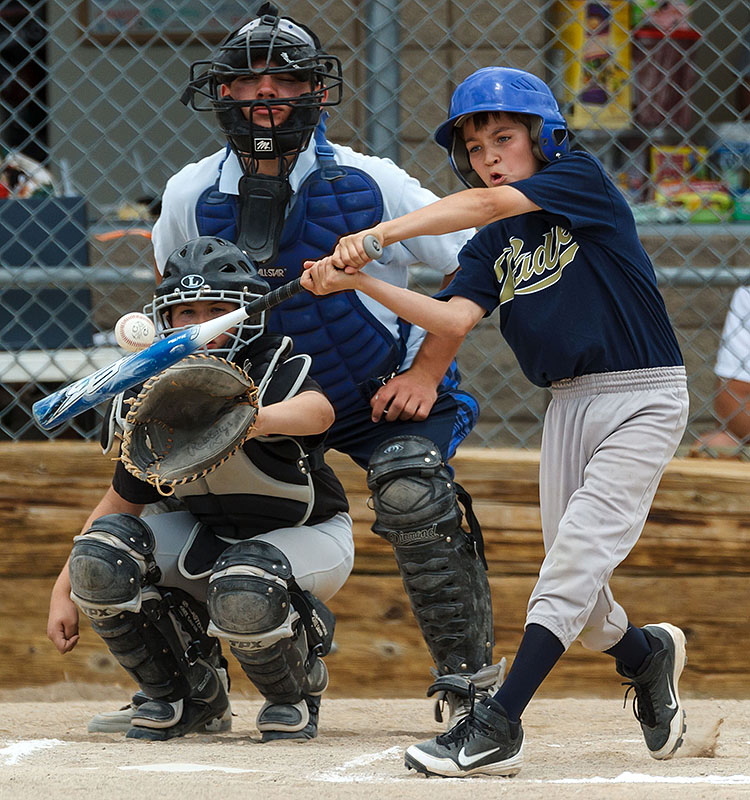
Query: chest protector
{"type": "Point", "coordinates": [348, 345]}
{"type": "Point", "coordinates": [267, 484]}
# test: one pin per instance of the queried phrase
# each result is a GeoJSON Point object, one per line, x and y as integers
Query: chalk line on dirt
{"type": "Point", "coordinates": [340, 773]}
{"type": "Point", "coordinates": [636, 777]}
{"type": "Point", "coordinates": [15, 751]}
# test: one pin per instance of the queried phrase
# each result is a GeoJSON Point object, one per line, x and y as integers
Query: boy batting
{"type": "Point", "coordinates": [558, 253]}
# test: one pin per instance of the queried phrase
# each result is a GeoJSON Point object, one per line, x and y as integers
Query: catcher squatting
{"type": "Point", "coordinates": [262, 537]}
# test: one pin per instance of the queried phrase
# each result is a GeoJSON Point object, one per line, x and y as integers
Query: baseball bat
{"type": "Point", "coordinates": [84, 394]}
{"type": "Point", "coordinates": [88, 392]}
{"type": "Point", "coordinates": [372, 246]}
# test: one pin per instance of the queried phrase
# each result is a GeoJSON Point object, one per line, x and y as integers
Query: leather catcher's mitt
{"type": "Point", "coordinates": [188, 420]}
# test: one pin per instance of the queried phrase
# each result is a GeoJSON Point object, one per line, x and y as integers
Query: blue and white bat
{"type": "Point", "coordinates": [88, 392]}
{"type": "Point", "coordinates": [106, 382]}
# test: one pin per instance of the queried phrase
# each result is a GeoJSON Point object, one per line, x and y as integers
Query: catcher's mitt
{"type": "Point", "coordinates": [188, 420]}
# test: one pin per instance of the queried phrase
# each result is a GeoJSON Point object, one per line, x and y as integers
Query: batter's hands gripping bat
{"type": "Point", "coordinates": [106, 382]}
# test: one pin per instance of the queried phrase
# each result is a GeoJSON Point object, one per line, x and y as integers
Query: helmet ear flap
{"type": "Point", "coordinates": [535, 132]}
{"type": "Point", "coordinates": [551, 141]}
{"type": "Point", "coordinates": [459, 160]}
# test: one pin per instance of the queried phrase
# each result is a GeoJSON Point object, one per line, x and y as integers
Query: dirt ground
{"type": "Point", "coordinates": [574, 748]}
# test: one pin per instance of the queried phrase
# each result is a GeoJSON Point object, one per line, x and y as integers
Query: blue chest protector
{"type": "Point", "coordinates": [349, 347]}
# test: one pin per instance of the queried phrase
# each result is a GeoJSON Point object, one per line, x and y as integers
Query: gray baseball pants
{"type": "Point", "coordinates": [321, 555]}
{"type": "Point", "coordinates": [606, 441]}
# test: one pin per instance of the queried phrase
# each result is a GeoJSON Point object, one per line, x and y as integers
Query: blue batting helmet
{"type": "Point", "coordinates": [504, 89]}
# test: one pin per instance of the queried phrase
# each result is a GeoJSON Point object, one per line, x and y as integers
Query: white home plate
{"type": "Point", "coordinates": [185, 768]}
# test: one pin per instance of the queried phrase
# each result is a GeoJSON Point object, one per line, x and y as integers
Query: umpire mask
{"type": "Point", "coordinates": [267, 120]}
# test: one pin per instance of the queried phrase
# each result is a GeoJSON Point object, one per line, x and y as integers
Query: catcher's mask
{"type": "Point", "coordinates": [208, 268]}
{"type": "Point", "coordinates": [268, 44]}
{"type": "Point", "coordinates": [495, 89]}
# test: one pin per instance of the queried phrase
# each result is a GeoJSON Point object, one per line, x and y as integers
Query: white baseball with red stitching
{"type": "Point", "coordinates": [134, 332]}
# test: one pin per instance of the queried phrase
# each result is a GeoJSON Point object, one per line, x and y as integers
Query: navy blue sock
{"type": "Point", "coordinates": [538, 652]}
{"type": "Point", "coordinates": [632, 650]}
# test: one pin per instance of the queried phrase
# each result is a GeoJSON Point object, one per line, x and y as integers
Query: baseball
{"type": "Point", "coordinates": [134, 332]}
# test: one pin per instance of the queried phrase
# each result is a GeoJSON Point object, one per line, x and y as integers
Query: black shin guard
{"type": "Point", "coordinates": [282, 673]}
{"type": "Point", "coordinates": [441, 565]}
{"type": "Point", "coordinates": [141, 649]}
{"type": "Point", "coordinates": [450, 598]}
{"type": "Point", "coordinates": [111, 570]}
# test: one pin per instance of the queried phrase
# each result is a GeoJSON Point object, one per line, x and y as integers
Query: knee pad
{"type": "Point", "coordinates": [109, 565]}
{"type": "Point", "coordinates": [413, 494]}
{"type": "Point", "coordinates": [275, 630]}
{"type": "Point", "coordinates": [248, 596]}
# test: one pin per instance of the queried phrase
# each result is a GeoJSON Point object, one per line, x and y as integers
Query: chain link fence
{"type": "Point", "coordinates": [91, 127]}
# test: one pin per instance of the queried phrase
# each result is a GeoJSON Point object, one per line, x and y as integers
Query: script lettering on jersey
{"type": "Point", "coordinates": [522, 271]}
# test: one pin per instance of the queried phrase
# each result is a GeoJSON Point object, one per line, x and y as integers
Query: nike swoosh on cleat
{"type": "Point", "coordinates": [467, 761]}
{"type": "Point", "coordinates": [673, 704]}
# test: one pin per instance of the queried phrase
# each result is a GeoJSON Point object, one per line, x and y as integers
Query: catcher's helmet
{"type": "Point", "coordinates": [268, 44]}
{"type": "Point", "coordinates": [208, 268]}
{"type": "Point", "coordinates": [503, 89]}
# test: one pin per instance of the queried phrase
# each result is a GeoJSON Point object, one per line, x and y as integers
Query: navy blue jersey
{"type": "Point", "coordinates": [576, 290]}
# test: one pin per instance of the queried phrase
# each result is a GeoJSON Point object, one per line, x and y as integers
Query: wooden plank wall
{"type": "Point", "coordinates": [691, 567]}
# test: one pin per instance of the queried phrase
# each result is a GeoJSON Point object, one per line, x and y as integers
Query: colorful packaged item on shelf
{"type": "Point", "coordinates": [705, 201]}
{"type": "Point", "coordinates": [732, 155]}
{"type": "Point", "coordinates": [678, 163]}
{"type": "Point", "coordinates": [594, 51]}
{"type": "Point", "coordinates": [22, 177]}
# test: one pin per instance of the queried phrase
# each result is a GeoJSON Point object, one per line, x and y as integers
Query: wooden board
{"type": "Point", "coordinates": [690, 566]}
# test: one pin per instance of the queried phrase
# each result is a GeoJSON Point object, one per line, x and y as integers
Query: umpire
{"type": "Point", "coordinates": [400, 413]}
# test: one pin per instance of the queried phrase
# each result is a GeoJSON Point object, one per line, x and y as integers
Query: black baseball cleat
{"type": "Point", "coordinates": [159, 720]}
{"type": "Point", "coordinates": [656, 704]}
{"type": "Point", "coordinates": [289, 720]}
{"type": "Point", "coordinates": [485, 742]}
{"type": "Point", "coordinates": [283, 721]}
{"type": "Point", "coordinates": [121, 720]}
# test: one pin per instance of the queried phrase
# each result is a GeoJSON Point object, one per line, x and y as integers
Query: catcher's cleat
{"type": "Point", "coordinates": [289, 720]}
{"type": "Point", "coordinates": [657, 700]}
{"type": "Point", "coordinates": [485, 742]}
{"type": "Point", "coordinates": [295, 720]}
{"type": "Point", "coordinates": [121, 721]}
{"type": "Point", "coordinates": [158, 720]}
{"type": "Point", "coordinates": [458, 692]}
